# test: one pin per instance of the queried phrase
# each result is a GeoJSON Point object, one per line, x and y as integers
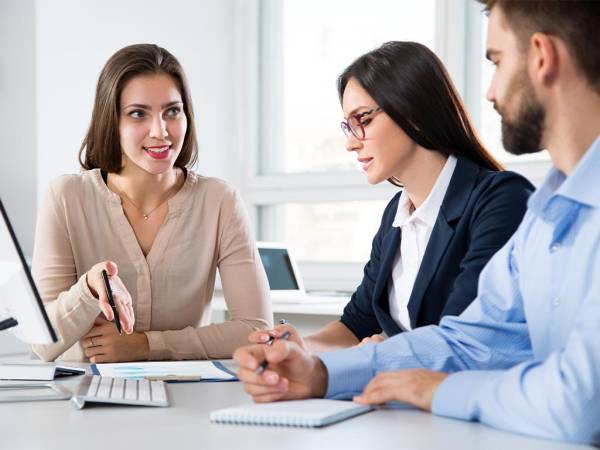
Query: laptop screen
{"type": "Point", "coordinates": [19, 296]}
{"type": "Point", "coordinates": [278, 267]}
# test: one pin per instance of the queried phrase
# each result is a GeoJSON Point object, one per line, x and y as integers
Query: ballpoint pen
{"type": "Point", "coordinates": [263, 365]}
{"type": "Point", "coordinates": [271, 338]}
{"type": "Point", "coordinates": [111, 301]}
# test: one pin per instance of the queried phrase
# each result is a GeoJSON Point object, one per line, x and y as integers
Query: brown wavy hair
{"type": "Point", "coordinates": [101, 146]}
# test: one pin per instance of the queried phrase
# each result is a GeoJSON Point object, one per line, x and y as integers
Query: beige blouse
{"type": "Point", "coordinates": [81, 222]}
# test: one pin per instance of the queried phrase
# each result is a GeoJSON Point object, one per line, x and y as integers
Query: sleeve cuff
{"type": "Point", "coordinates": [348, 371]}
{"type": "Point", "coordinates": [86, 295]}
{"type": "Point", "coordinates": [157, 346]}
{"type": "Point", "coordinates": [455, 396]}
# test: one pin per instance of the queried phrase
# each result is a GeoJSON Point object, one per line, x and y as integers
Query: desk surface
{"type": "Point", "coordinates": [185, 424]}
{"type": "Point", "coordinates": [329, 308]}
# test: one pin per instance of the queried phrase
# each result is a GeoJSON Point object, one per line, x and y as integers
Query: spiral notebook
{"type": "Point", "coordinates": [297, 413]}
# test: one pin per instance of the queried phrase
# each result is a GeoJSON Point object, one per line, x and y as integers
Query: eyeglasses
{"type": "Point", "coordinates": [356, 125]}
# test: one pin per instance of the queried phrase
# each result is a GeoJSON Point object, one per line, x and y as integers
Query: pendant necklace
{"type": "Point", "coordinates": [145, 215]}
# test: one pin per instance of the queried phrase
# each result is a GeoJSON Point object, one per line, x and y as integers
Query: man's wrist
{"type": "Point", "coordinates": [319, 379]}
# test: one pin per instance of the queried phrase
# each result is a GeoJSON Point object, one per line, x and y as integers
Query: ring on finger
{"type": "Point", "coordinates": [92, 342]}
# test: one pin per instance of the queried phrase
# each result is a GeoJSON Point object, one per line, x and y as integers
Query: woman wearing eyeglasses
{"type": "Point", "coordinates": [159, 230]}
{"type": "Point", "coordinates": [407, 125]}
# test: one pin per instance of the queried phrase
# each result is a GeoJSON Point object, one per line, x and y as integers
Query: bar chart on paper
{"type": "Point", "coordinates": [167, 370]}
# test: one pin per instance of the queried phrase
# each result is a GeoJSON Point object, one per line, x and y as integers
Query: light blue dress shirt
{"type": "Point", "coordinates": [525, 356]}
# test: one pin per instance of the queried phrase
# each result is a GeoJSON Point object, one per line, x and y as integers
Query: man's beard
{"type": "Point", "coordinates": [523, 135]}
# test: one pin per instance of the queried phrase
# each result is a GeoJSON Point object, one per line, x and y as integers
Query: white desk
{"type": "Point", "coordinates": [329, 308]}
{"type": "Point", "coordinates": [185, 425]}
{"type": "Point", "coordinates": [306, 317]}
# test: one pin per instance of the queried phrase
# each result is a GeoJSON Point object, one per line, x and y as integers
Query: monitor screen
{"type": "Point", "coordinates": [19, 297]}
{"type": "Point", "coordinates": [278, 268]}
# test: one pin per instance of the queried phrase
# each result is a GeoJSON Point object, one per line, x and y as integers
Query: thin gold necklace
{"type": "Point", "coordinates": [144, 215]}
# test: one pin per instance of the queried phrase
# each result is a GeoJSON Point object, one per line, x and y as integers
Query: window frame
{"type": "Point", "coordinates": [254, 41]}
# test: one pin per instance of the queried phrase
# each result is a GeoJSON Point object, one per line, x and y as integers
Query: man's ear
{"type": "Point", "coordinates": [543, 58]}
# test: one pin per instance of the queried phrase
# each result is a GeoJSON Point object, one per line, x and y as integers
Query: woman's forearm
{"type": "Point", "coordinates": [333, 336]}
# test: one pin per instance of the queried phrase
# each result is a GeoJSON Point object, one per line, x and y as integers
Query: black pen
{"type": "Point", "coordinates": [263, 365]}
{"type": "Point", "coordinates": [111, 301]}
{"type": "Point", "coordinates": [271, 338]}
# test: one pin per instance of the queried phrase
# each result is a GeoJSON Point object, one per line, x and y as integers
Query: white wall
{"type": "Point", "coordinates": [18, 165]}
{"type": "Point", "coordinates": [51, 53]}
{"type": "Point", "coordinates": [74, 40]}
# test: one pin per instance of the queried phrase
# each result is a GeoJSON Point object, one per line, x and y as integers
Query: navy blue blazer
{"type": "Point", "coordinates": [480, 212]}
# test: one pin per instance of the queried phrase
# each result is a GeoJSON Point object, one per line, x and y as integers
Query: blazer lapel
{"type": "Point", "coordinates": [390, 245]}
{"type": "Point", "coordinates": [457, 196]}
{"type": "Point", "coordinates": [438, 242]}
{"type": "Point", "coordinates": [381, 305]}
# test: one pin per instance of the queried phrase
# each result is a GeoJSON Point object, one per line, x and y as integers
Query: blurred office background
{"type": "Point", "coordinates": [263, 79]}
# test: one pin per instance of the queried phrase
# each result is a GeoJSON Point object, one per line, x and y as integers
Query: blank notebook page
{"type": "Point", "coordinates": [296, 413]}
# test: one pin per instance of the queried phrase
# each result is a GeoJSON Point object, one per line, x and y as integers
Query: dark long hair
{"type": "Point", "coordinates": [101, 146]}
{"type": "Point", "coordinates": [410, 83]}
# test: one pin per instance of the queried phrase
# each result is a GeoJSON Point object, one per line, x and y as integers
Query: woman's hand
{"type": "Point", "coordinates": [103, 344]}
{"type": "Point", "coordinates": [375, 339]}
{"type": "Point", "coordinates": [121, 295]}
{"type": "Point", "coordinates": [415, 386]}
{"type": "Point", "coordinates": [264, 336]}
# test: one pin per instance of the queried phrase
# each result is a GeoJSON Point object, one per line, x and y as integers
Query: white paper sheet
{"type": "Point", "coordinates": [169, 370]}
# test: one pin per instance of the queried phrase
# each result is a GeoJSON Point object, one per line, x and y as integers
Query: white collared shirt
{"type": "Point", "coordinates": [416, 231]}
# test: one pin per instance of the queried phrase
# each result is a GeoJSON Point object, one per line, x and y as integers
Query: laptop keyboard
{"type": "Point", "coordinates": [126, 391]}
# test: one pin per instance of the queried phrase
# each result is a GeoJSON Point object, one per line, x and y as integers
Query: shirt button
{"type": "Point", "coordinates": [555, 301]}
{"type": "Point", "coordinates": [555, 247]}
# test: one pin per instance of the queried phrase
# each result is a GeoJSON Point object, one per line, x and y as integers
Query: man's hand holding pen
{"type": "Point", "coordinates": [265, 336]}
{"type": "Point", "coordinates": [280, 370]}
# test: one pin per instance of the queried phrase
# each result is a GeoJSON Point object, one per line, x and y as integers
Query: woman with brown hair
{"type": "Point", "coordinates": [156, 227]}
{"type": "Point", "coordinates": [457, 207]}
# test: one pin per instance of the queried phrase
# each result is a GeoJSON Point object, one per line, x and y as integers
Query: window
{"type": "Point", "coordinates": [306, 189]}
{"type": "Point", "coordinates": [336, 232]}
{"type": "Point", "coordinates": [302, 186]}
{"type": "Point", "coordinates": [302, 57]}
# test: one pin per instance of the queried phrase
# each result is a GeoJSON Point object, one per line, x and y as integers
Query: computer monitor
{"type": "Point", "coordinates": [282, 272]}
{"type": "Point", "coordinates": [285, 280]}
{"type": "Point", "coordinates": [20, 302]}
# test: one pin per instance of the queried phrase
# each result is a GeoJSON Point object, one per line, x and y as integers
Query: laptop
{"type": "Point", "coordinates": [284, 278]}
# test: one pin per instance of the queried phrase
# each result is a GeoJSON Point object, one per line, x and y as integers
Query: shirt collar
{"type": "Point", "coordinates": [429, 209]}
{"type": "Point", "coordinates": [582, 186]}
